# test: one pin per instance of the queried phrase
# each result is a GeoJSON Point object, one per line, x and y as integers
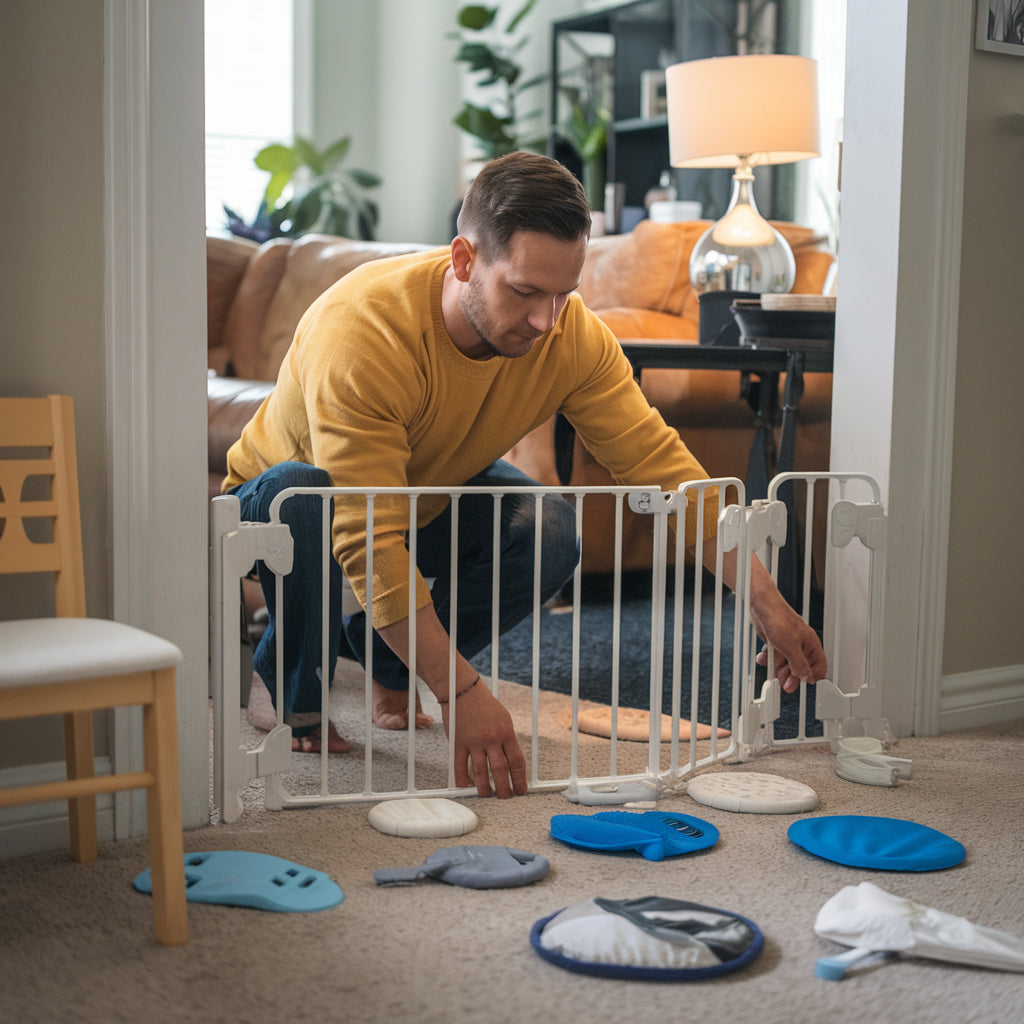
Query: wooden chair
{"type": "Point", "coordinates": [73, 665]}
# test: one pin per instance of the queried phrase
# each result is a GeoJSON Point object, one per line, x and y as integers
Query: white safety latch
{"type": "Point", "coordinates": [271, 543]}
{"type": "Point", "coordinates": [766, 521]}
{"type": "Point", "coordinates": [865, 521]}
{"type": "Point", "coordinates": [651, 502]}
{"type": "Point", "coordinates": [762, 521]}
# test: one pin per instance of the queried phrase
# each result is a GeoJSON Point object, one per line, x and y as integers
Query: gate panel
{"type": "Point", "coordinates": [719, 684]}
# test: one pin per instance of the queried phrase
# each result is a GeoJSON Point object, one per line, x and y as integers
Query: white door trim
{"type": "Point", "coordinates": [156, 362]}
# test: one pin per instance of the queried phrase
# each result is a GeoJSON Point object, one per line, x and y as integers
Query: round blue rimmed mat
{"type": "Point", "coordinates": [652, 938]}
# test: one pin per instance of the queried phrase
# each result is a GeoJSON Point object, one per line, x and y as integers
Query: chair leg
{"type": "Point", "coordinates": [163, 804]}
{"type": "Point", "coordinates": [78, 751]}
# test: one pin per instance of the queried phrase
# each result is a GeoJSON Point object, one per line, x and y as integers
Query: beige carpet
{"type": "Point", "coordinates": [77, 945]}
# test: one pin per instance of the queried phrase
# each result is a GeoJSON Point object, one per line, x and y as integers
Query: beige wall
{"type": "Point", "coordinates": [51, 268]}
{"type": "Point", "coordinates": [986, 558]}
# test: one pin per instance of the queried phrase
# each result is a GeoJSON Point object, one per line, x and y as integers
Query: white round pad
{"type": "Point", "coordinates": [752, 792]}
{"type": "Point", "coordinates": [434, 818]}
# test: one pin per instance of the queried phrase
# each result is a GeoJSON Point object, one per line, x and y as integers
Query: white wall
{"type": "Point", "coordinates": [385, 74]}
{"type": "Point", "coordinates": [927, 348]}
{"type": "Point", "coordinates": [983, 655]}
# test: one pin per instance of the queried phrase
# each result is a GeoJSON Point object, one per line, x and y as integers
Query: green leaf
{"type": "Point", "coordinates": [364, 179]}
{"type": "Point", "coordinates": [306, 212]}
{"type": "Point", "coordinates": [514, 23]}
{"type": "Point", "coordinates": [275, 187]}
{"type": "Point", "coordinates": [336, 152]}
{"type": "Point", "coordinates": [483, 123]}
{"type": "Point", "coordinates": [336, 222]}
{"type": "Point", "coordinates": [478, 56]}
{"type": "Point", "coordinates": [594, 143]}
{"type": "Point", "coordinates": [481, 57]}
{"type": "Point", "coordinates": [530, 83]}
{"type": "Point", "coordinates": [276, 158]}
{"type": "Point", "coordinates": [476, 17]}
{"type": "Point", "coordinates": [309, 155]}
{"type": "Point", "coordinates": [494, 133]}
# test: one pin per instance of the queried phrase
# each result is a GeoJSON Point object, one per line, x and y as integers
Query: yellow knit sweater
{"type": "Point", "coordinates": [374, 391]}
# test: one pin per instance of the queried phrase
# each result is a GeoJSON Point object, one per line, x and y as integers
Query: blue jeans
{"type": "Point", "coordinates": [302, 587]}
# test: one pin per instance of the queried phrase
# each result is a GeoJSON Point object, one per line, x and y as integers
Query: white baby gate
{"type": "Point", "coordinates": [419, 763]}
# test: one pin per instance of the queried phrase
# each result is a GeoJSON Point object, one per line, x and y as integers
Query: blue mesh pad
{"type": "Point", "coordinates": [474, 867]}
{"type": "Point", "coordinates": [889, 844]}
{"type": "Point", "coordinates": [648, 939]}
{"type": "Point", "coordinates": [242, 879]}
{"type": "Point", "coordinates": [681, 833]}
{"type": "Point", "coordinates": [653, 834]}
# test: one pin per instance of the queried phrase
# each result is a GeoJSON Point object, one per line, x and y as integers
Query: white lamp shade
{"type": "Point", "coordinates": [762, 106]}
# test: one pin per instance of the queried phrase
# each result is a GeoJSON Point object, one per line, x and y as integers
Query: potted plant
{"type": "Point", "coordinates": [499, 126]}
{"type": "Point", "coordinates": [586, 131]}
{"type": "Point", "coordinates": [323, 195]}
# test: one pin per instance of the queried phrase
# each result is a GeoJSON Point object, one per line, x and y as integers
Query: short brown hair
{"type": "Point", "coordinates": [522, 192]}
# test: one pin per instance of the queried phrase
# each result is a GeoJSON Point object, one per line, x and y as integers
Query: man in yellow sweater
{"type": "Point", "coordinates": [422, 371]}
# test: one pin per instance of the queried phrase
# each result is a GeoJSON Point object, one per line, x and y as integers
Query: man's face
{"type": "Point", "coordinates": [511, 302]}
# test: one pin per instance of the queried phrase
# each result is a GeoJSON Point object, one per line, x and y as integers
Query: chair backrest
{"type": "Point", "coordinates": [30, 427]}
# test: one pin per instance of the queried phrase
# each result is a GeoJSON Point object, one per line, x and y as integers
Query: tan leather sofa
{"type": "Point", "coordinates": [638, 283]}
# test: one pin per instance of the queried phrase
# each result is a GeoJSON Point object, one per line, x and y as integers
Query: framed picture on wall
{"type": "Point", "coordinates": [1001, 26]}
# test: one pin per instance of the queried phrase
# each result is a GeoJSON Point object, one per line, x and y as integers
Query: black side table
{"type": "Point", "coordinates": [765, 359]}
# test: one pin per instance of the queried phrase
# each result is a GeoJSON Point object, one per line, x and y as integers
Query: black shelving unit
{"type": "Point", "coordinates": [648, 35]}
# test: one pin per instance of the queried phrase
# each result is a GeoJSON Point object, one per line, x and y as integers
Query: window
{"type": "Point", "coordinates": [250, 98]}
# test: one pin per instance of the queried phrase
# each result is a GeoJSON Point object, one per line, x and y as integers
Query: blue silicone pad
{"type": "Point", "coordinates": [681, 833]}
{"type": "Point", "coordinates": [589, 833]}
{"type": "Point", "coordinates": [889, 844]}
{"type": "Point", "coordinates": [653, 834]}
{"type": "Point", "coordinates": [242, 879]}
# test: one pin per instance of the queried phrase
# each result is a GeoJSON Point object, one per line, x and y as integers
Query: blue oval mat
{"type": "Point", "coordinates": [891, 844]}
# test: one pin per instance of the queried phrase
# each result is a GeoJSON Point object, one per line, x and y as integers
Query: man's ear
{"type": "Point", "coordinates": [463, 257]}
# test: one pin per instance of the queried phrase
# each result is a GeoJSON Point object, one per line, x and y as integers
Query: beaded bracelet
{"type": "Point", "coordinates": [446, 700]}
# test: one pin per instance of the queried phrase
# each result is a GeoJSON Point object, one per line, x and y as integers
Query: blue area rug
{"type": "Point", "coordinates": [515, 653]}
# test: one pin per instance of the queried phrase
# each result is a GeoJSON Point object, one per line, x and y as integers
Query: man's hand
{"type": "Point", "coordinates": [485, 743]}
{"type": "Point", "coordinates": [484, 736]}
{"type": "Point", "coordinates": [798, 652]}
{"type": "Point", "coordinates": [799, 656]}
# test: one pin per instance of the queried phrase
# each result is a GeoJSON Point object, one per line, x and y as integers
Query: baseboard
{"type": "Point", "coordinates": [972, 699]}
{"type": "Point", "coordinates": [33, 828]}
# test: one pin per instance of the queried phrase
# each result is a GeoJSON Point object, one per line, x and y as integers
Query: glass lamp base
{"type": "Point", "coordinates": [742, 268]}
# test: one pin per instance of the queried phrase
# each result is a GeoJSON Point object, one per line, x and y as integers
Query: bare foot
{"type": "Point", "coordinates": [261, 715]}
{"type": "Point", "coordinates": [312, 742]}
{"type": "Point", "coordinates": [391, 709]}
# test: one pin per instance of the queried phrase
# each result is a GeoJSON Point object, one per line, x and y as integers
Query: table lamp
{"type": "Point", "coordinates": [741, 112]}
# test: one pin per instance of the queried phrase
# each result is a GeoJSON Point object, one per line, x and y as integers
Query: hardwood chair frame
{"type": "Point", "coordinates": [73, 665]}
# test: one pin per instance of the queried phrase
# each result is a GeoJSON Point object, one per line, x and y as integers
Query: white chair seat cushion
{"type": "Point", "coordinates": [57, 650]}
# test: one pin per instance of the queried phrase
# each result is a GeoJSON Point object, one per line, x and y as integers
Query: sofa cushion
{"type": "Point", "coordinates": [226, 261]}
{"type": "Point", "coordinates": [649, 268]}
{"type": "Point", "coordinates": [280, 283]}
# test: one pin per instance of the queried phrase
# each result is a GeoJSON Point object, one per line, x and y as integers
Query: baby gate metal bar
{"type": "Point", "coordinates": [235, 546]}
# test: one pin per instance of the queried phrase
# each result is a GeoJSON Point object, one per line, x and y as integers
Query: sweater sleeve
{"type": "Point", "coordinates": [622, 430]}
{"type": "Point", "coordinates": [358, 429]}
